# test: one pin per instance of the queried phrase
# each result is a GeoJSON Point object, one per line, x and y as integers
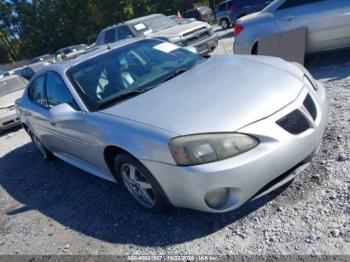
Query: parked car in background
{"type": "Point", "coordinates": [70, 51]}
{"type": "Point", "coordinates": [182, 21]}
{"type": "Point", "coordinates": [175, 128]}
{"type": "Point", "coordinates": [29, 71]}
{"type": "Point", "coordinates": [203, 13]}
{"type": "Point", "coordinates": [11, 88]}
{"type": "Point", "coordinates": [43, 58]}
{"type": "Point", "coordinates": [197, 34]}
{"type": "Point", "coordinates": [327, 23]}
{"type": "Point", "coordinates": [228, 12]}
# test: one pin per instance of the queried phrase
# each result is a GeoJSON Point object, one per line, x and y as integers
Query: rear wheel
{"type": "Point", "coordinates": [224, 23]}
{"type": "Point", "coordinates": [240, 16]}
{"type": "Point", "coordinates": [255, 49]}
{"type": "Point", "coordinates": [46, 154]}
{"type": "Point", "coordinates": [140, 183]}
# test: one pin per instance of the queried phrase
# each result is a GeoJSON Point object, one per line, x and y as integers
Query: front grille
{"type": "Point", "coordinates": [194, 31]}
{"type": "Point", "coordinates": [8, 122]}
{"type": "Point", "coordinates": [310, 106]}
{"type": "Point", "coordinates": [197, 38]}
{"type": "Point", "coordinates": [294, 123]}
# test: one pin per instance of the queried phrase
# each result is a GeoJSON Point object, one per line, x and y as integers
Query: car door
{"type": "Point", "coordinates": [38, 114]}
{"type": "Point", "coordinates": [251, 6]}
{"type": "Point", "coordinates": [74, 138]}
{"type": "Point", "coordinates": [221, 11]}
{"type": "Point", "coordinates": [319, 17]}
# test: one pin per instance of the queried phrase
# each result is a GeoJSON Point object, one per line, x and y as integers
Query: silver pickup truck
{"type": "Point", "coordinates": [196, 34]}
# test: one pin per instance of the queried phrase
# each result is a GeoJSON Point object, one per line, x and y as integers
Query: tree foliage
{"type": "Point", "coordinates": [30, 28]}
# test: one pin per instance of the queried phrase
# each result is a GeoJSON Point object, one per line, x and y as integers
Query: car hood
{"type": "Point", "coordinates": [222, 94]}
{"type": "Point", "coordinates": [9, 99]}
{"type": "Point", "coordinates": [180, 30]}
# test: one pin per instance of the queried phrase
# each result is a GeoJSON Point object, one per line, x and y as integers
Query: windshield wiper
{"type": "Point", "coordinates": [119, 97]}
{"type": "Point", "coordinates": [174, 74]}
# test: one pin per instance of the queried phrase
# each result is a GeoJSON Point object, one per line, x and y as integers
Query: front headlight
{"type": "Point", "coordinates": [206, 148]}
{"type": "Point", "coordinates": [307, 76]}
{"type": "Point", "coordinates": [4, 111]}
{"type": "Point", "coordinates": [178, 40]}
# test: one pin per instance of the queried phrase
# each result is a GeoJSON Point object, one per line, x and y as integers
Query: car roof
{"type": "Point", "coordinates": [93, 52]}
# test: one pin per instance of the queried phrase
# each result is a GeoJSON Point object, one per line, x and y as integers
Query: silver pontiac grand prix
{"type": "Point", "coordinates": [174, 128]}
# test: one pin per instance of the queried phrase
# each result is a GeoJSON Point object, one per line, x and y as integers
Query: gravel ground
{"type": "Point", "coordinates": [53, 208]}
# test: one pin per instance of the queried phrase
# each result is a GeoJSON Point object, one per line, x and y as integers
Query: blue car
{"type": "Point", "coordinates": [229, 11]}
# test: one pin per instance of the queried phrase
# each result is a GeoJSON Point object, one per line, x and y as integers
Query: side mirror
{"type": "Point", "coordinates": [64, 112]}
{"type": "Point", "coordinates": [191, 49]}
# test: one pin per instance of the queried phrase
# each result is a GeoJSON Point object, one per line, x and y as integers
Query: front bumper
{"type": "Point", "coordinates": [278, 158]}
{"type": "Point", "coordinates": [207, 45]}
{"type": "Point", "coordinates": [9, 120]}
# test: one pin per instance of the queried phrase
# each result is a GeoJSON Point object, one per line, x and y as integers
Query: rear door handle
{"type": "Point", "coordinates": [290, 18]}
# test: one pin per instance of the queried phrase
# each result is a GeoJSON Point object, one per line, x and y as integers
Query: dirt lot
{"type": "Point", "coordinates": [53, 208]}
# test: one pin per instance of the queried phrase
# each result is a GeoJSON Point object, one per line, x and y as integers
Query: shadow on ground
{"type": "Point", "coordinates": [333, 66]}
{"type": "Point", "coordinates": [99, 208]}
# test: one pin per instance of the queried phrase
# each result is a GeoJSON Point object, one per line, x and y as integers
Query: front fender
{"type": "Point", "coordinates": [142, 141]}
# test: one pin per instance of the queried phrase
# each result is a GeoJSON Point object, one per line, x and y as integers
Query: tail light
{"type": "Point", "coordinates": [231, 10]}
{"type": "Point", "coordinates": [238, 29]}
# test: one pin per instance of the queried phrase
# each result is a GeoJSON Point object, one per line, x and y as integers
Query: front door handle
{"type": "Point", "coordinates": [27, 113]}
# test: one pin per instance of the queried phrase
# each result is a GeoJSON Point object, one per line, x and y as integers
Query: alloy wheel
{"type": "Point", "coordinates": [138, 185]}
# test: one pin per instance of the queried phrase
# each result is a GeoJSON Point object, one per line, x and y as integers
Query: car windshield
{"type": "Point", "coordinates": [129, 69]}
{"type": "Point", "coordinates": [154, 24]}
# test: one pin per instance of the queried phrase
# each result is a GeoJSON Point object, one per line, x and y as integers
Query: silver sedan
{"type": "Point", "coordinates": [327, 23]}
{"type": "Point", "coordinates": [174, 128]}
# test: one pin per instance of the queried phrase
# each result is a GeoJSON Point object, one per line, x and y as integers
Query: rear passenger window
{"type": "Point", "coordinates": [294, 3]}
{"type": "Point", "coordinates": [37, 91]}
{"type": "Point", "coordinates": [110, 36]}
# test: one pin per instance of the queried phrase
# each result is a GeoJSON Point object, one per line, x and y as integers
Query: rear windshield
{"type": "Point", "coordinates": [11, 84]}
{"type": "Point", "coordinates": [204, 9]}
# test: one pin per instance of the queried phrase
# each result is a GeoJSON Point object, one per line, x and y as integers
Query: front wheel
{"type": "Point", "coordinates": [140, 183]}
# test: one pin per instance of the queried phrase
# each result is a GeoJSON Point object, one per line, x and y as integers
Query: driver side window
{"type": "Point", "coordinates": [57, 92]}
{"type": "Point", "coordinates": [36, 91]}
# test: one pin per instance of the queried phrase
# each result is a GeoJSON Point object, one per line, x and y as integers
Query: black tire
{"type": "Point", "coordinates": [240, 16]}
{"type": "Point", "coordinates": [122, 161]}
{"type": "Point", "coordinates": [45, 154]}
{"type": "Point", "coordinates": [255, 49]}
{"type": "Point", "coordinates": [224, 23]}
